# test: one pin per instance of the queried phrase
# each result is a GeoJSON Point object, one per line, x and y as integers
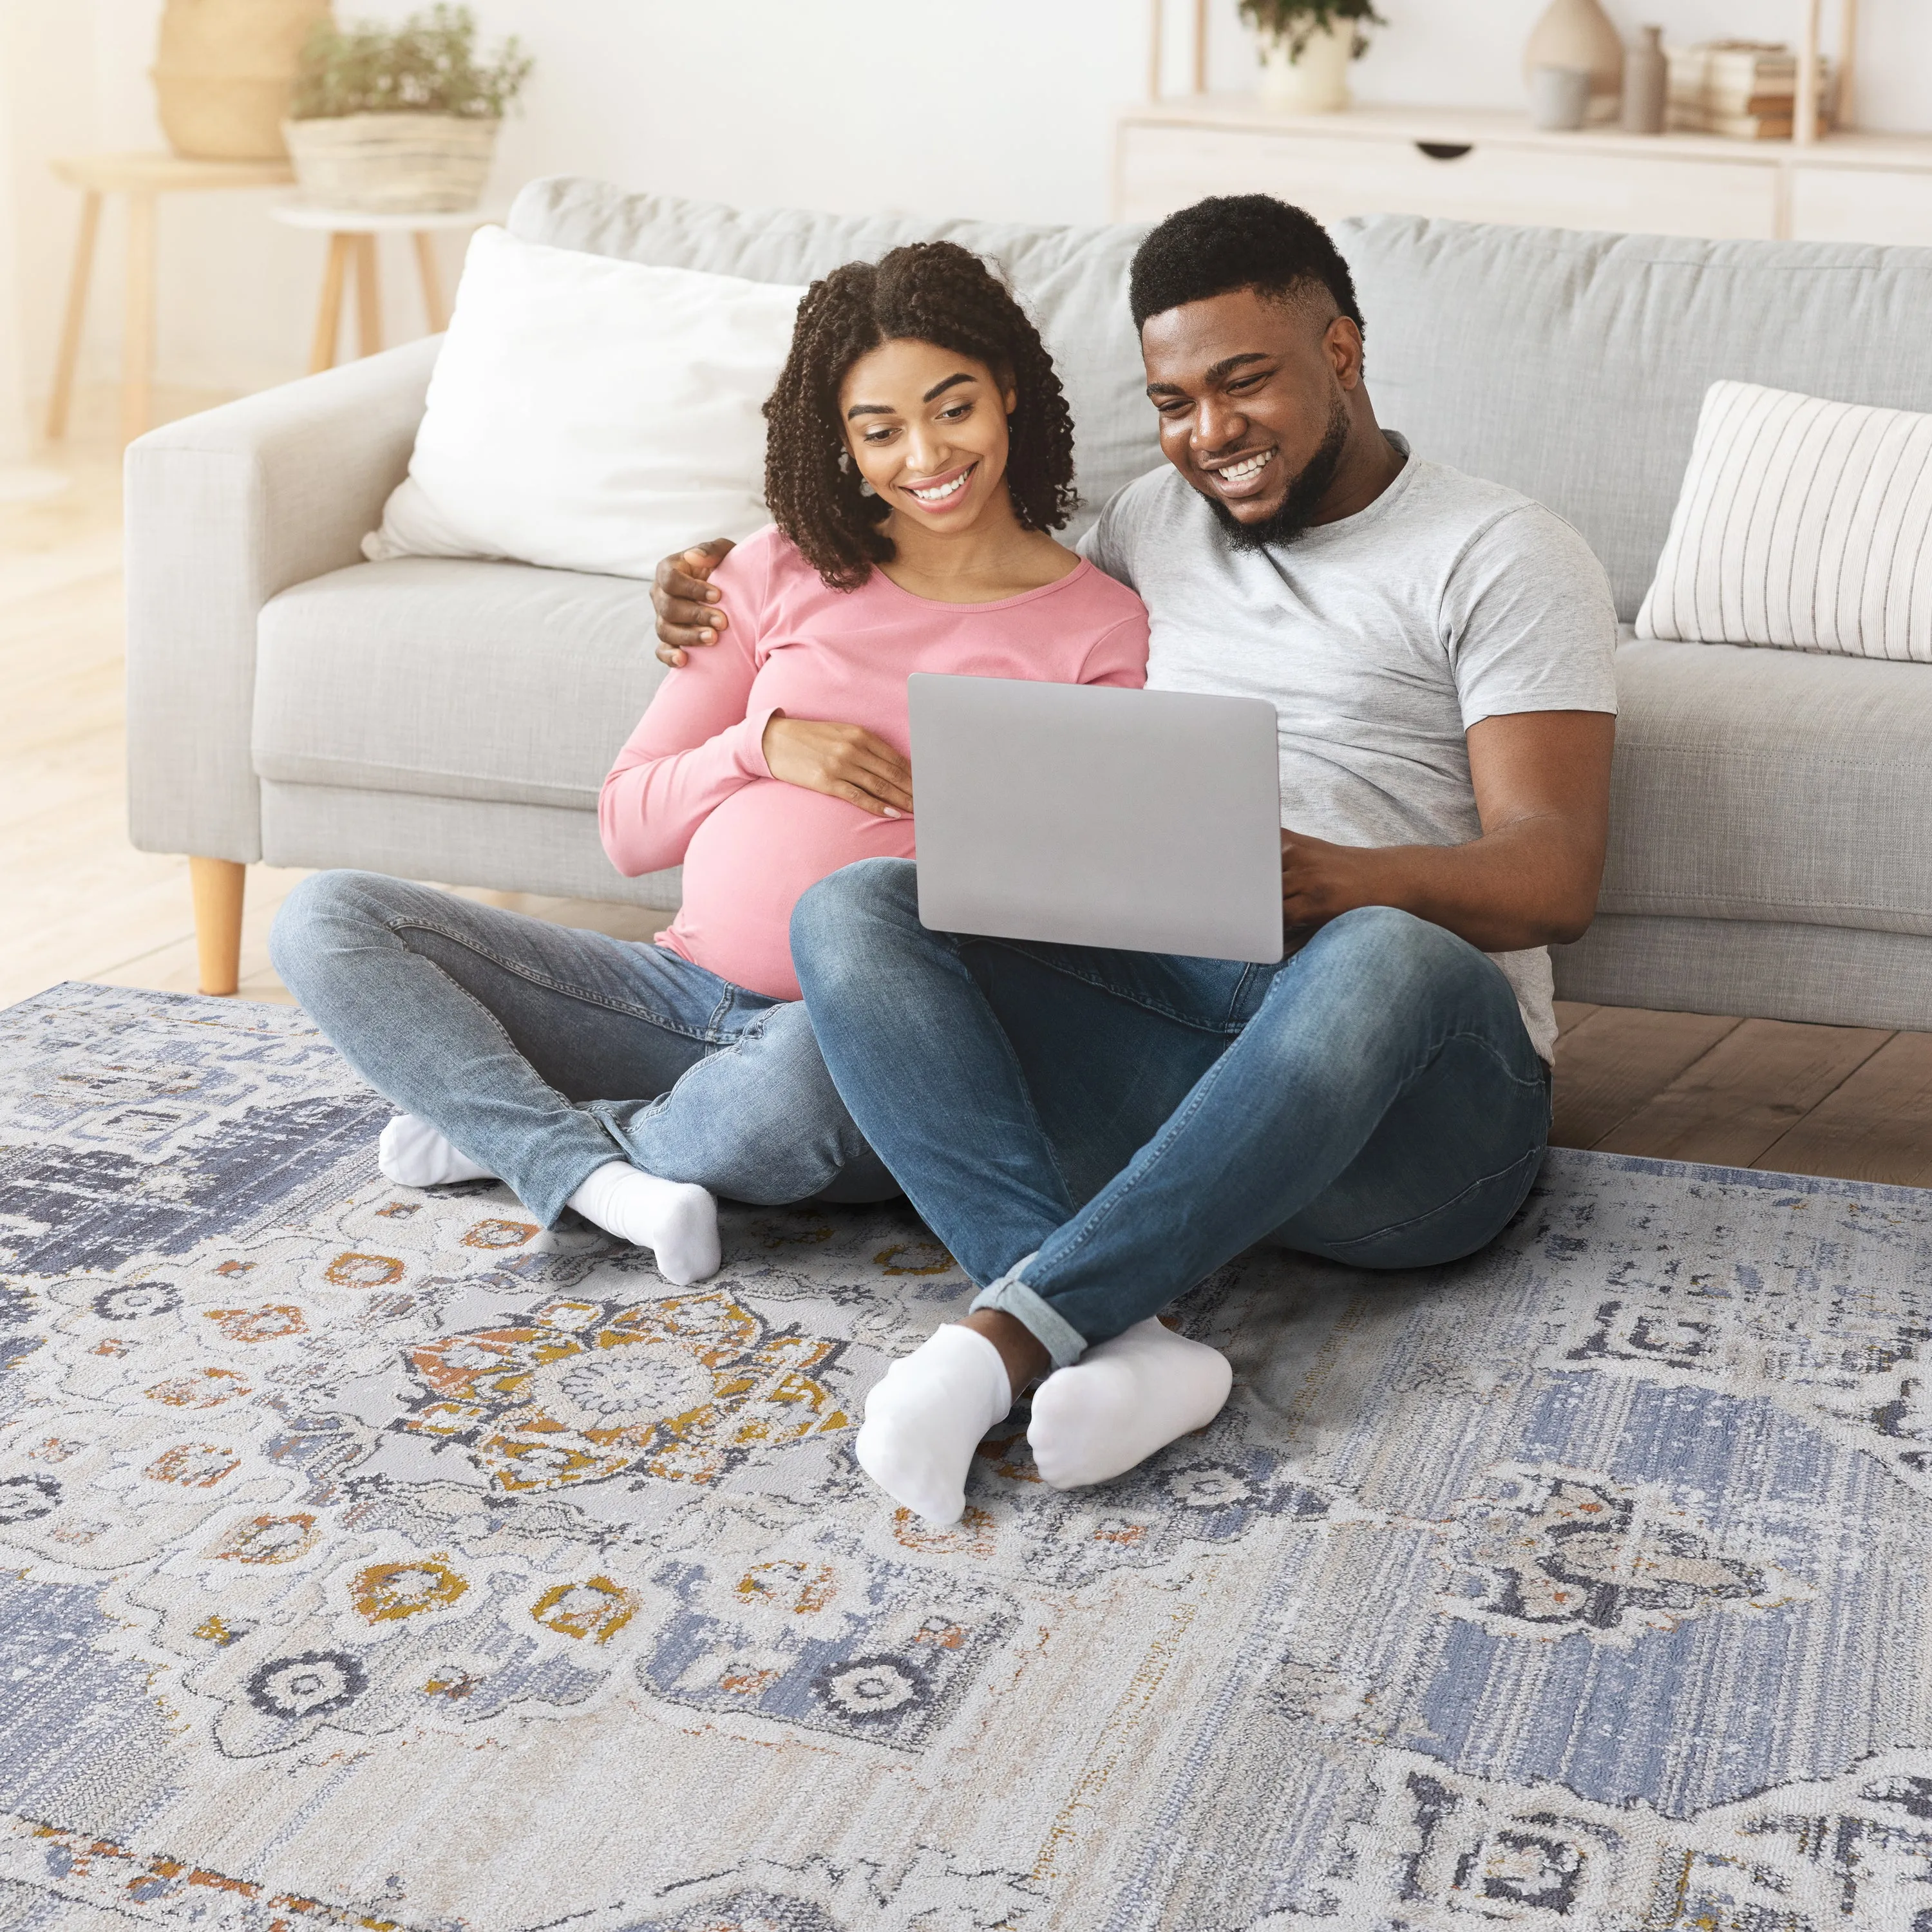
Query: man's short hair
{"type": "Point", "coordinates": [1231, 241]}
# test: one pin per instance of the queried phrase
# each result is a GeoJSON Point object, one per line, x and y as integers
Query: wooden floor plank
{"type": "Point", "coordinates": [1609, 1064]}
{"type": "Point", "coordinates": [1876, 1126]}
{"type": "Point", "coordinates": [1749, 1090]}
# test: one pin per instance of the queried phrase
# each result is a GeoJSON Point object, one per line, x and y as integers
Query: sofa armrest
{"type": "Point", "coordinates": [224, 511]}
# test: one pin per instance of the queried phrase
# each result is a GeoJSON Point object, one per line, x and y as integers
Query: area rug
{"type": "Point", "coordinates": [368, 1559]}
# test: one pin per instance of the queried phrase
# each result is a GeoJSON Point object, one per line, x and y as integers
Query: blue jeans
{"type": "Point", "coordinates": [1091, 1133]}
{"type": "Point", "coordinates": [543, 1052]}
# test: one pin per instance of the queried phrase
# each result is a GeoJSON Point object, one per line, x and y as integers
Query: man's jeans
{"type": "Point", "coordinates": [544, 1052]}
{"type": "Point", "coordinates": [1092, 1132]}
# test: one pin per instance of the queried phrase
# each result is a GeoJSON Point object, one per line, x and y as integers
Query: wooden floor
{"type": "Point", "coordinates": [84, 904]}
{"type": "Point", "coordinates": [1855, 1101]}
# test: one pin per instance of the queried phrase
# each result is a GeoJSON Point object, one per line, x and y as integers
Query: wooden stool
{"type": "Point", "coordinates": [352, 246]}
{"type": "Point", "coordinates": [143, 179]}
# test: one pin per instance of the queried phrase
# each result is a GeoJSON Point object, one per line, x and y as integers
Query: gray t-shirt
{"type": "Point", "coordinates": [1380, 639]}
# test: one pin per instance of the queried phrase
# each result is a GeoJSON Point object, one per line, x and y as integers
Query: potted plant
{"type": "Point", "coordinates": [1305, 47]}
{"type": "Point", "coordinates": [401, 120]}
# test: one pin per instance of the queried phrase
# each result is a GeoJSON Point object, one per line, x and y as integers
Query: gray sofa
{"type": "Point", "coordinates": [1771, 844]}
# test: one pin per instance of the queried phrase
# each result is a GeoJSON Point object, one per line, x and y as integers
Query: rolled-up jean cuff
{"type": "Point", "coordinates": [564, 1166]}
{"type": "Point", "coordinates": [1012, 1296]}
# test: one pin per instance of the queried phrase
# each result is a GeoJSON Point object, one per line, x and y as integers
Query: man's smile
{"type": "Point", "coordinates": [1245, 474]}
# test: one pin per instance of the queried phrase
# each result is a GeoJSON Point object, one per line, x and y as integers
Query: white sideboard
{"type": "Point", "coordinates": [1487, 166]}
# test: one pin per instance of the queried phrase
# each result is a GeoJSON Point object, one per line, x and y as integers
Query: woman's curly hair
{"type": "Point", "coordinates": [933, 292]}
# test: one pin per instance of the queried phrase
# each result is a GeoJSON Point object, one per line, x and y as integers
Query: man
{"type": "Point", "coordinates": [1091, 1133]}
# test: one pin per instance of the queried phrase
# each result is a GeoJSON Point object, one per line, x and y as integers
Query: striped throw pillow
{"type": "Point", "coordinates": [1802, 524]}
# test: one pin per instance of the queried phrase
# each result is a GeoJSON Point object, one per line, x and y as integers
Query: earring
{"type": "Point", "coordinates": [845, 469]}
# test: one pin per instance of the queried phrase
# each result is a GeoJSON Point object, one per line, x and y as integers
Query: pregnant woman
{"type": "Point", "coordinates": [920, 451]}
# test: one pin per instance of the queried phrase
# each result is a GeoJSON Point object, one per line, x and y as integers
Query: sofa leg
{"type": "Point", "coordinates": [218, 885]}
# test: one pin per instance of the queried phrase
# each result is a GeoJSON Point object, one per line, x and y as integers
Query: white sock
{"type": "Point", "coordinates": [677, 1220]}
{"type": "Point", "coordinates": [1123, 1400]}
{"type": "Point", "coordinates": [925, 1417]}
{"type": "Point", "coordinates": [413, 1154]}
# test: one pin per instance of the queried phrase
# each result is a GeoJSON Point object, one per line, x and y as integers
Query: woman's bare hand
{"type": "Point", "coordinates": [842, 761]}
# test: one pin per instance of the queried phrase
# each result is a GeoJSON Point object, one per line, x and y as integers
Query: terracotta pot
{"type": "Point", "coordinates": [224, 72]}
{"type": "Point", "coordinates": [1578, 33]}
{"type": "Point", "coordinates": [1317, 82]}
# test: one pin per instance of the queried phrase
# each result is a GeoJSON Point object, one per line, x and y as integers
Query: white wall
{"type": "Point", "coordinates": [47, 66]}
{"type": "Point", "coordinates": [14, 437]}
{"type": "Point", "coordinates": [998, 108]}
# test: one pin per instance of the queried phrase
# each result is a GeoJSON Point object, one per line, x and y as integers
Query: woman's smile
{"type": "Point", "coordinates": [943, 491]}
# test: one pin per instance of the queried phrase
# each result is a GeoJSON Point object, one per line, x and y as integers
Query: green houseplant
{"type": "Point", "coordinates": [400, 119]}
{"type": "Point", "coordinates": [1305, 47]}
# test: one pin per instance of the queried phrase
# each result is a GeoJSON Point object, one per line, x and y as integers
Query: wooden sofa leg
{"type": "Point", "coordinates": [218, 885]}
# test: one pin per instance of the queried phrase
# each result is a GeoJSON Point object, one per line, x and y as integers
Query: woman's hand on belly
{"type": "Point", "coordinates": [842, 761]}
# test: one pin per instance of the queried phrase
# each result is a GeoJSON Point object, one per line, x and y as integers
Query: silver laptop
{"type": "Point", "coordinates": [1147, 820]}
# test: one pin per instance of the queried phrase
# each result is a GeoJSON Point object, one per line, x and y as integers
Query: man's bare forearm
{"type": "Point", "coordinates": [1532, 882]}
{"type": "Point", "coordinates": [1542, 780]}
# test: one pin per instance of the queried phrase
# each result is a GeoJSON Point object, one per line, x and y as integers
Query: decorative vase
{"type": "Point", "coordinates": [1559, 96]}
{"type": "Point", "coordinates": [1317, 83]}
{"type": "Point", "coordinates": [1578, 33]}
{"type": "Point", "coordinates": [393, 163]}
{"type": "Point", "coordinates": [224, 72]}
{"type": "Point", "coordinates": [1646, 84]}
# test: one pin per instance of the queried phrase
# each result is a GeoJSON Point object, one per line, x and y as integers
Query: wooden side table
{"type": "Point", "coordinates": [352, 250]}
{"type": "Point", "coordinates": [143, 178]}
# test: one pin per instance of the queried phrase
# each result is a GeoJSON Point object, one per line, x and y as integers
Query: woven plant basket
{"type": "Point", "coordinates": [223, 72]}
{"type": "Point", "coordinates": [228, 117]}
{"type": "Point", "coordinates": [392, 163]}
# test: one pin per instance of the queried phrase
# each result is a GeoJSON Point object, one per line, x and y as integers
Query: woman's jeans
{"type": "Point", "coordinates": [543, 1052]}
{"type": "Point", "coordinates": [1092, 1133]}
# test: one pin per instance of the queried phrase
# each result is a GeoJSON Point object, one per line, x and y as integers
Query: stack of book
{"type": "Point", "coordinates": [1746, 89]}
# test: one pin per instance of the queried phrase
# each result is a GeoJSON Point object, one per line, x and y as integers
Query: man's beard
{"type": "Point", "coordinates": [1304, 494]}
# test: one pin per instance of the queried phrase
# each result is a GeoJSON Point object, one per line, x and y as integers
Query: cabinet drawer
{"type": "Point", "coordinates": [1164, 168]}
{"type": "Point", "coordinates": [1830, 204]}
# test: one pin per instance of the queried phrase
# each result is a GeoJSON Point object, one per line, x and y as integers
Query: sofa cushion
{"type": "Point", "coordinates": [587, 413]}
{"type": "Point", "coordinates": [1071, 281]}
{"type": "Point", "coordinates": [1572, 366]}
{"type": "Point", "coordinates": [1771, 969]}
{"type": "Point", "coordinates": [539, 849]}
{"type": "Point", "coordinates": [1802, 525]}
{"type": "Point", "coordinates": [458, 678]}
{"type": "Point", "coordinates": [1756, 784]}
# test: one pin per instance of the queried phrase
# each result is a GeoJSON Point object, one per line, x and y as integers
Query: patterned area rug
{"type": "Point", "coordinates": [371, 1560]}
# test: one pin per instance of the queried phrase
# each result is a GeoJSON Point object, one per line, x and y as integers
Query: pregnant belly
{"type": "Point", "coordinates": [748, 863]}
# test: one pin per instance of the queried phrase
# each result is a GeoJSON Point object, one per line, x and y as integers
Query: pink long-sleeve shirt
{"type": "Point", "coordinates": [692, 785]}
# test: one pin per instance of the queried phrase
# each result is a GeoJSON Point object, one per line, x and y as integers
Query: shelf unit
{"type": "Point", "coordinates": [1481, 166]}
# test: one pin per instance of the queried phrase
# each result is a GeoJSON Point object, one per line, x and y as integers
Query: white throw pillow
{"type": "Point", "coordinates": [590, 414]}
{"type": "Point", "coordinates": [1803, 524]}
